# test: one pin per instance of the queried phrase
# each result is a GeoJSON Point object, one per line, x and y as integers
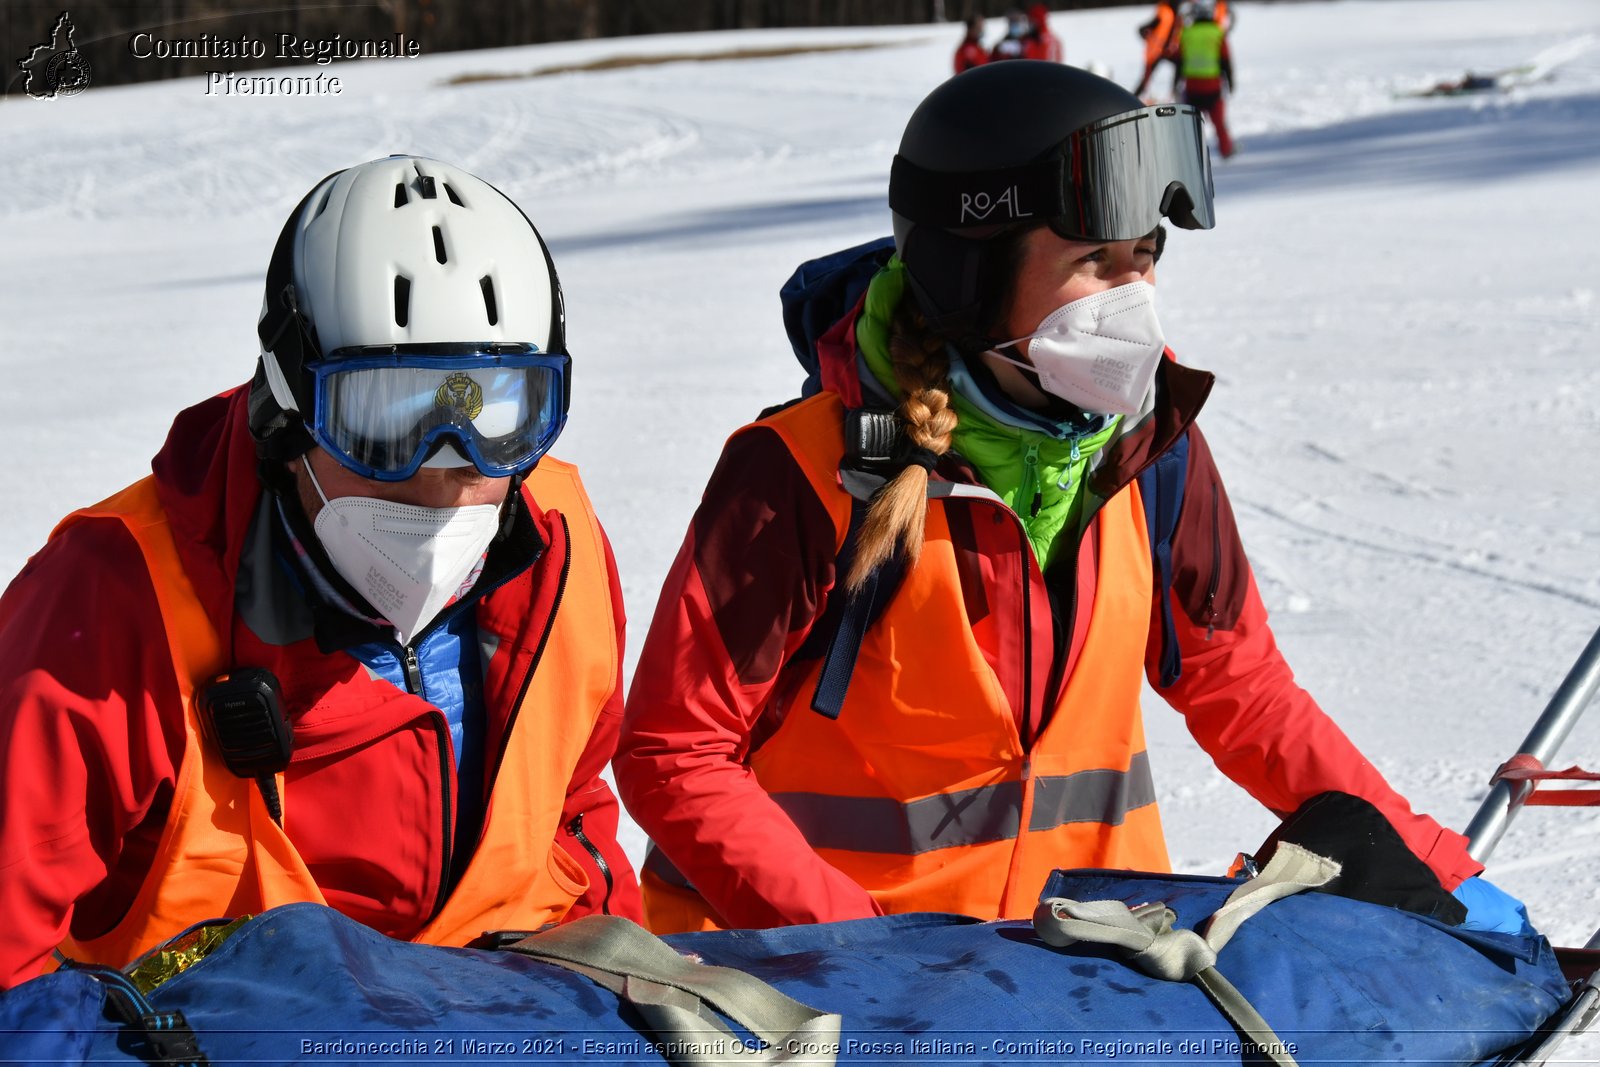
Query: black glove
{"type": "Point", "coordinates": [1376, 864]}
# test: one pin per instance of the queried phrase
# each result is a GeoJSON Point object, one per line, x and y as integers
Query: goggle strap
{"type": "Point", "coordinates": [999, 197]}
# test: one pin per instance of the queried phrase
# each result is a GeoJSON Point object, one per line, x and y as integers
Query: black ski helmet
{"type": "Point", "coordinates": [1011, 145]}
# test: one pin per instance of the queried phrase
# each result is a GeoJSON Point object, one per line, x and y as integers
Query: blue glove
{"type": "Point", "coordinates": [1492, 908]}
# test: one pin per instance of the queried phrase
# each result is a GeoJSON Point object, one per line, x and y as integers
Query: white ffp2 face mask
{"type": "Point", "coordinates": [407, 560]}
{"type": "Point", "coordinates": [1100, 352]}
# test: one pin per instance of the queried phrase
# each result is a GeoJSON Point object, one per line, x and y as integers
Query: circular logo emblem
{"type": "Point", "coordinates": [460, 393]}
{"type": "Point", "coordinates": [68, 74]}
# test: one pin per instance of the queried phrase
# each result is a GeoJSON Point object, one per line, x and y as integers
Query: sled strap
{"type": "Point", "coordinates": [679, 999]}
{"type": "Point", "coordinates": [1145, 935]}
{"type": "Point", "coordinates": [1526, 768]}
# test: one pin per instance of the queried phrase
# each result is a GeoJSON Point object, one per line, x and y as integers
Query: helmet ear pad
{"type": "Point", "coordinates": [962, 282]}
{"type": "Point", "coordinates": [281, 331]}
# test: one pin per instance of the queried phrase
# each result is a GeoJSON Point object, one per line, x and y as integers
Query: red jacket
{"type": "Point", "coordinates": [756, 572]}
{"type": "Point", "coordinates": [1041, 43]}
{"type": "Point", "coordinates": [970, 54]}
{"type": "Point", "coordinates": [91, 733]}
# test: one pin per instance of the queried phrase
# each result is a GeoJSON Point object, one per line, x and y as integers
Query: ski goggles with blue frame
{"type": "Point", "coordinates": [383, 412]}
{"type": "Point", "coordinates": [1112, 180]}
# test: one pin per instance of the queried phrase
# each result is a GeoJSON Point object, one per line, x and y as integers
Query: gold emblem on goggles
{"type": "Point", "coordinates": [460, 393]}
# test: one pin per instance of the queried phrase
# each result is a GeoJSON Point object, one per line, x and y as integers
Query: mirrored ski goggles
{"type": "Point", "coordinates": [383, 412]}
{"type": "Point", "coordinates": [1113, 180]}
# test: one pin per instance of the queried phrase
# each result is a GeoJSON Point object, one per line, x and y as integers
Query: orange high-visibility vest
{"type": "Point", "coordinates": [221, 854]}
{"type": "Point", "coordinates": [922, 790]}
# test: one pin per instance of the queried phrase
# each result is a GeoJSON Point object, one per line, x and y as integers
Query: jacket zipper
{"type": "Point", "coordinates": [1216, 566]}
{"type": "Point", "coordinates": [413, 669]}
{"type": "Point", "coordinates": [1032, 490]}
{"type": "Point", "coordinates": [1026, 731]}
{"type": "Point", "coordinates": [447, 836]}
{"type": "Point", "coordinates": [575, 828]}
{"type": "Point", "coordinates": [441, 729]}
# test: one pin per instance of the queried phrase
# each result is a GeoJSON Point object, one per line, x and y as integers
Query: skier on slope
{"type": "Point", "coordinates": [1014, 45]}
{"type": "Point", "coordinates": [1040, 42]}
{"type": "Point", "coordinates": [991, 729]}
{"type": "Point", "coordinates": [363, 551]}
{"type": "Point", "coordinates": [1161, 39]}
{"type": "Point", "coordinates": [1205, 69]}
{"type": "Point", "coordinates": [971, 52]}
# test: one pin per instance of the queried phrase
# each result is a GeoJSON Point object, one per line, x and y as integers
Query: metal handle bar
{"type": "Point", "coordinates": [1560, 715]}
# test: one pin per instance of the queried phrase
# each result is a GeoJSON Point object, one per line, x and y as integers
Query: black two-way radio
{"type": "Point", "coordinates": [242, 714]}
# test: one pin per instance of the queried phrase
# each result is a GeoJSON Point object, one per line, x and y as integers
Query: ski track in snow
{"type": "Point", "coordinates": [1399, 305]}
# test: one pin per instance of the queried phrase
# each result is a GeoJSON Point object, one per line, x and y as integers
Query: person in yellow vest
{"type": "Point", "coordinates": [355, 640]}
{"type": "Point", "coordinates": [897, 663]}
{"type": "Point", "coordinates": [1205, 68]}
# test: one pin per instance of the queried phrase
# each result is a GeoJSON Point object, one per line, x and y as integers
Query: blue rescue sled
{"type": "Point", "coordinates": [1338, 980]}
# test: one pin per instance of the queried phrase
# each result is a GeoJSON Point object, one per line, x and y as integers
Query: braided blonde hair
{"type": "Point", "coordinates": [899, 509]}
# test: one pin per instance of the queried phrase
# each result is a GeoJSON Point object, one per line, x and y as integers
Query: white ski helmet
{"type": "Point", "coordinates": [402, 251]}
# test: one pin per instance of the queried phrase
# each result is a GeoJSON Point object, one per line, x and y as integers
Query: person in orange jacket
{"type": "Point", "coordinates": [896, 665]}
{"type": "Point", "coordinates": [356, 640]}
{"type": "Point", "coordinates": [971, 52]}
{"type": "Point", "coordinates": [1223, 14]}
{"type": "Point", "coordinates": [1161, 41]}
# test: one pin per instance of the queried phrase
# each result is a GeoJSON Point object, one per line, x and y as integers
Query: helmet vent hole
{"type": "Point", "coordinates": [402, 300]}
{"type": "Point", "coordinates": [428, 191]}
{"type": "Point", "coordinates": [323, 206]}
{"type": "Point", "coordinates": [400, 197]}
{"type": "Point", "coordinates": [451, 193]}
{"type": "Point", "coordinates": [486, 283]}
{"type": "Point", "coordinates": [438, 245]}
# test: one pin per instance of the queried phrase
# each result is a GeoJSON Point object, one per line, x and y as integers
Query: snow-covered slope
{"type": "Point", "coordinates": [1399, 302]}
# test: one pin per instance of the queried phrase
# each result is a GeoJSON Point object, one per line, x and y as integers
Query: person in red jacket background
{"type": "Point", "coordinates": [1014, 45]}
{"type": "Point", "coordinates": [356, 640]}
{"type": "Point", "coordinates": [971, 52]}
{"type": "Point", "coordinates": [1040, 43]}
{"type": "Point", "coordinates": [989, 406]}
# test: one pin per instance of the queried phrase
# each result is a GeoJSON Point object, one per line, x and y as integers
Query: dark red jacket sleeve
{"type": "Point", "coordinates": [590, 813]}
{"type": "Point", "coordinates": [1239, 696]}
{"type": "Point", "coordinates": [87, 751]}
{"type": "Point", "coordinates": [743, 592]}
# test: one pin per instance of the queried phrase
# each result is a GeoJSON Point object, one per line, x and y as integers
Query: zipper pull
{"type": "Point", "coordinates": [1030, 476]}
{"type": "Point", "coordinates": [575, 828]}
{"type": "Point", "coordinates": [413, 670]}
{"type": "Point", "coordinates": [1072, 466]}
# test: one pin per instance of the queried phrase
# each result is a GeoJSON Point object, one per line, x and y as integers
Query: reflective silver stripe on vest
{"type": "Point", "coordinates": [968, 816]}
{"type": "Point", "coordinates": [1093, 796]}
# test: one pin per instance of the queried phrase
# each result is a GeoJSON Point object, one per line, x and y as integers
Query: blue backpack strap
{"type": "Point", "coordinates": [1161, 486]}
{"type": "Point", "coordinates": [861, 609]}
{"type": "Point", "coordinates": [874, 452]}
